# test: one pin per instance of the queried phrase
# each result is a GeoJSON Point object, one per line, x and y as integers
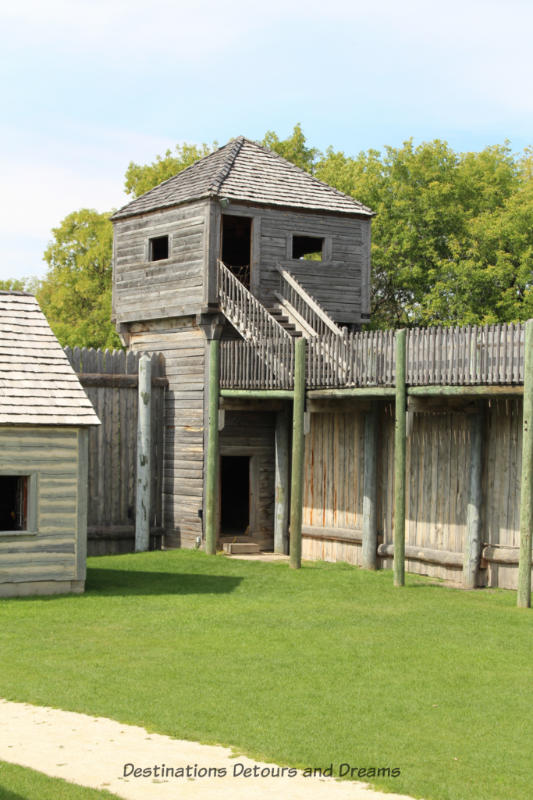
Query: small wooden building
{"type": "Point", "coordinates": [243, 245]}
{"type": "Point", "coordinates": [44, 416]}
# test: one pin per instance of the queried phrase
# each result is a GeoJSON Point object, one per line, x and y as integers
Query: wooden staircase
{"type": "Point", "coordinates": [283, 319]}
{"type": "Point", "coordinates": [271, 331]}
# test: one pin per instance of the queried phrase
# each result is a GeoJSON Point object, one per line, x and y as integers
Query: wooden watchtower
{"type": "Point", "coordinates": [242, 244]}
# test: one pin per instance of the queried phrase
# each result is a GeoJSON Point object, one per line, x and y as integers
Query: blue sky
{"type": "Point", "coordinates": [90, 86]}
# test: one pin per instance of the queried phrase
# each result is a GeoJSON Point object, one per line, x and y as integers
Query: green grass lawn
{"type": "Point", "coordinates": [329, 664]}
{"type": "Point", "coordinates": [20, 783]}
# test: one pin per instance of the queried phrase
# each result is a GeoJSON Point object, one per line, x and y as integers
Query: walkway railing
{"type": "Point", "coordinates": [456, 356]}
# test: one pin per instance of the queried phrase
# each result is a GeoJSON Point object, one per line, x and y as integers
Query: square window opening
{"type": "Point", "coordinates": [13, 502]}
{"type": "Point", "coordinates": [158, 249]}
{"type": "Point", "coordinates": [310, 248]}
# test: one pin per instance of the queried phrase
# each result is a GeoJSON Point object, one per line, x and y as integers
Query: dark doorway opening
{"type": "Point", "coordinates": [13, 502]}
{"type": "Point", "coordinates": [234, 495]}
{"type": "Point", "coordinates": [236, 250]}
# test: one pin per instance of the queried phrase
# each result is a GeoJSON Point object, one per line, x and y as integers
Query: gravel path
{"type": "Point", "coordinates": [95, 752]}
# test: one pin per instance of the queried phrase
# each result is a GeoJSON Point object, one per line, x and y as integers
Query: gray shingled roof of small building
{"type": "Point", "coordinates": [37, 384]}
{"type": "Point", "coordinates": [246, 171]}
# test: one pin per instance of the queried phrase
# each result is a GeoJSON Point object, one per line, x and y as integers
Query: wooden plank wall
{"type": "Point", "coordinates": [343, 295]}
{"type": "Point", "coordinates": [333, 491]}
{"type": "Point", "coordinates": [53, 454]}
{"type": "Point", "coordinates": [248, 433]}
{"type": "Point", "coordinates": [182, 345]}
{"type": "Point", "coordinates": [144, 289]}
{"type": "Point", "coordinates": [438, 459]}
{"type": "Point", "coordinates": [113, 448]}
{"type": "Point", "coordinates": [502, 475]}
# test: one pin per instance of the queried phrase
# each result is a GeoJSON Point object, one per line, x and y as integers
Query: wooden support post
{"type": "Point", "coordinates": [526, 493]}
{"type": "Point", "coordinates": [298, 445]}
{"type": "Point", "coordinates": [399, 461]}
{"type": "Point", "coordinates": [144, 417]}
{"type": "Point", "coordinates": [213, 460]}
{"type": "Point", "coordinates": [472, 553]}
{"type": "Point", "coordinates": [370, 533]}
{"type": "Point", "coordinates": [281, 491]}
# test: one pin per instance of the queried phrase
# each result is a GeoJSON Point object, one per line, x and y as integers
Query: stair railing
{"type": "Point", "coordinates": [272, 344]}
{"type": "Point", "coordinates": [305, 310]}
{"type": "Point", "coordinates": [245, 312]}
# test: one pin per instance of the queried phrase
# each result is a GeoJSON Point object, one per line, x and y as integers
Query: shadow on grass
{"type": "Point", "coordinates": [7, 794]}
{"type": "Point", "coordinates": [122, 582]}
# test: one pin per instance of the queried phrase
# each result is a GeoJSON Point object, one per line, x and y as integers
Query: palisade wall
{"type": "Point", "coordinates": [110, 378]}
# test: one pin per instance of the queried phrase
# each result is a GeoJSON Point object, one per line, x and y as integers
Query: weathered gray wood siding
{"type": "Point", "coordinates": [49, 554]}
{"type": "Point", "coordinates": [340, 283]}
{"type": "Point", "coordinates": [248, 433]}
{"type": "Point", "coordinates": [113, 447]}
{"type": "Point", "coordinates": [144, 289]}
{"type": "Point", "coordinates": [182, 345]}
{"type": "Point", "coordinates": [438, 463]}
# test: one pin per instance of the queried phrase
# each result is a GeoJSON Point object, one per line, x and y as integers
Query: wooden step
{"type": "Point", "coordinates": [240, 548]}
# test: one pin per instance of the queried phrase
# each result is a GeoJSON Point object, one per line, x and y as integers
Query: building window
{"type": "Point", "coordinates": [14, 502]}
{"type": "Point", "coordinates": [310, 248]}
{"type": "Point", "coordinates": [158, 248]}
{"type": "Point", "coordinates": [18, 503]}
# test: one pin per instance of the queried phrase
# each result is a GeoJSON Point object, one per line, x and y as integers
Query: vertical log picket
{"type": "Point", "coordinates": [281, 488]}
{"type": "Point", "coordinates": [144, 446]}
{"type": "Point", "coordinates": [298, 445]}
{"type": "Point", "coordinates": [370, 534]}
{"type": "Point", "coordinates": [473, 519]}
{"type": "Point", "coordinates": [526, 497]}
{"type": "Point", "coordinates": [212, 478]}
{"type": "Point", "coordinates": [399, 461]}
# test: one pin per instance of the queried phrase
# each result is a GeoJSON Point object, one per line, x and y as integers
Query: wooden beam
{"type": "Point", "coordinates": [465, 391]}
{"type": "Point", "coordinates": [353, 535]}
{"type": "Point", "coordinates": [281, 488]}
{"type": "Point", "coordinates": [500, 554]}
{"type": "Point", "coordinates": [526, 492]}
{"type": "Point", "coordinates": [251, 405]}
{"type": "Point", "coordinates": [258, 394]}
{"type": "Point", "coordinates": [473, 515]}
{"type": "Point", "coordinates": [298, 446]}
{"type": "Point", "coordinates": [370, 531]}
{"type": "Point", "coordinates": [445, 558]}
{"type": "Point", "coordinates": [213, 459]}
{"type": "Point", "coordinates": [104, 379]}
{"type": "Point", "coordinates": [362, 391]}
{"type": "Point", "coordinates": [144, 446]}
{"type": "Point", "coordinates": [399, 461]}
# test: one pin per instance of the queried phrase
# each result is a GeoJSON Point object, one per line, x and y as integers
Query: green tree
{"type": "Point", "coordinates": [19, 285]}
{"type": "Point", "coordinates": [140, 178]}
{"type": "Point", "coordinates": [431, 203]}
{"type": "Point", "coordinates": [452, 240]}
{"type": "Point", "coordinates": [75, 295]}
{"type": "Point", "coordinates": [293, 148]}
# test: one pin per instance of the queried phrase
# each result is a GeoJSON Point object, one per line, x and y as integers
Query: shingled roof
{"type": "Point", "coordinates": [244, 170]}
{"type": "Point", "coordinates": [37, 384]}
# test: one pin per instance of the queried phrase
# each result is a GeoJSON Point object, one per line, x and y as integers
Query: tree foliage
{"type": "Point", "coordinates": [19, 285]}
{"type": "Point", "coordinates": [140, 178]}
{"type": "Point", "coordinates": [294, 148]}
{"type": "Point", "coordinates": [75, 295]}
{"type": "Point", "coordinates": [452, 239]}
